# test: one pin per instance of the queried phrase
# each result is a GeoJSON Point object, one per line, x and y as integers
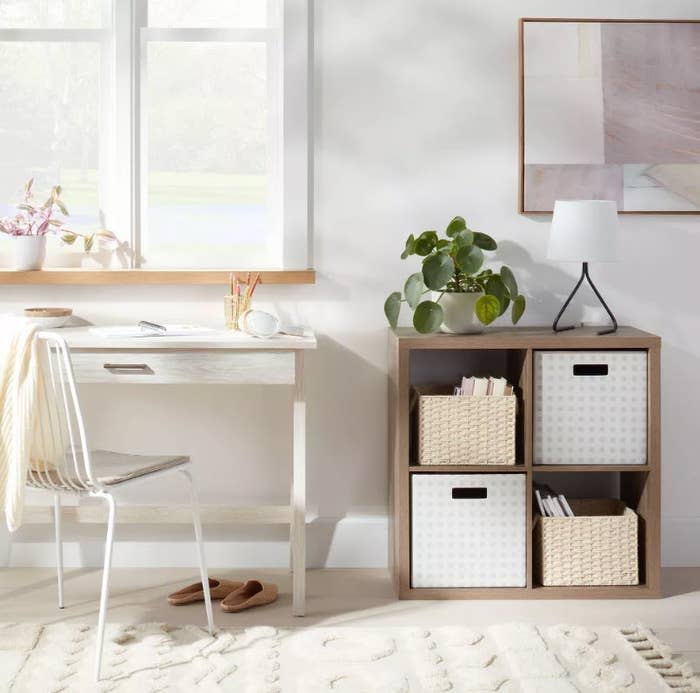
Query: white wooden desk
{"type": "Point", "coordinates": [224, 357]}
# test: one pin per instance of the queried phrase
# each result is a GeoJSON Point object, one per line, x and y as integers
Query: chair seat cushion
{"type": "Point", "coordinates": [111, 468]}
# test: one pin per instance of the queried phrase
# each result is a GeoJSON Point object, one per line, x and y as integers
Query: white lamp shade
{"type": "Point", "coordinates": [584, 231]}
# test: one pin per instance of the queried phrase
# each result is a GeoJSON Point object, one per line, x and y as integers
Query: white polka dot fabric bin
{"type": "Point", "coordinates": [467, 530]}
{"type": "Point", "coordinates": [590, 407]}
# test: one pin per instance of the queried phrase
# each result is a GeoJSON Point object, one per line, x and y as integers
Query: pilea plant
{"type": "Point", "coordinates": [454, 264]}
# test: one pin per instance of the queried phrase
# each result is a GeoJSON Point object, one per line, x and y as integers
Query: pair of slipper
{"type": "Point", "coordinates": [235, 596]}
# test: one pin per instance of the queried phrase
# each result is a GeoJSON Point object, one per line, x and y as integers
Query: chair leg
{"type": "Point", "coordinates": [104, 595]}
{"type": "Point", "coordinates": [59, 546]}
{"type": "Point", "coordinates": [200, 550]}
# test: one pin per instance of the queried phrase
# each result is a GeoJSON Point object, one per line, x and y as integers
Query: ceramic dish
{"type": "Point", "coordinates": [48, 318]}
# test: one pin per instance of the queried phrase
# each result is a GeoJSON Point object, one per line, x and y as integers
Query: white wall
{"type": "Point", "coordinates": [415, 105]}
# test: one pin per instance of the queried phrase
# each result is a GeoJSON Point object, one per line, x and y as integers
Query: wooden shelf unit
{"type": "Point", "coordinates": [412, 362]}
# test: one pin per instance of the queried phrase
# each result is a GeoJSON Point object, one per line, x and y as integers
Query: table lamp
{"type": "Point", "coordinates": [584, 231]}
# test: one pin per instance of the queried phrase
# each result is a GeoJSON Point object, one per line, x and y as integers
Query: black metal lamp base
{"type": "Point", "coordinates": [584, 275]}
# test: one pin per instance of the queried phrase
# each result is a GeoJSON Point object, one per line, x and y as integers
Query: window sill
{"type": "Point", "coordinates": [90, 277]}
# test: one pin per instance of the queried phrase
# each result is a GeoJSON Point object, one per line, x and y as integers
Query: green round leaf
{"type": "Point", "coordinates": [484, 241]}
{"type": "Point", "coordinates": [463, 238]}
{"type": "Point", "coordinates": [409, 249]}
{"type": "Point", "coordinates": [496, 287]}
{"type": "Point", "coordinates": [518, 308]}
{"type": "Point", "coordinates": [392, 308]}
{"type": "Point", "coordinates": [469, 259]}
{"type": "Point", "coordinates": [413, 289]}
{"type": "Point", "coordinates": [509, 280]}
{"type": "Point", "coordinates": [438, 270]}
{"type": "Point", "coordinates": [425, 243]}
{"type": "Point", "coordinates": [455, 226]}
{"type": "Point", "coordinates": [487, 309]}
{"type": "Point", "coordinates": [428, 317]}
{"type": "Point", "coordinates": [443, 243]}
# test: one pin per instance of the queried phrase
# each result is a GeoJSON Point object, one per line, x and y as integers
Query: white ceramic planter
{"type": "Point", "coordinates": [29, 252]}
{"type": "Point", "coordinates": [458, 313]}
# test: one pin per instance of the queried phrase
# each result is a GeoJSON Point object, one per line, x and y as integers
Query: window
{"type": "Point", "coordinates": [181, 125]}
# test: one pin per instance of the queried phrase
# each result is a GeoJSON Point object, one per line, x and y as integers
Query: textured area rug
{"type": "Point", "coordinates": [509, 658]}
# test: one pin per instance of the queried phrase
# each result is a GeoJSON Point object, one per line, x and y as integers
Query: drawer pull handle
{"type": "Point", "coordinates": [470, 492]}
{"type": "Point", "coordinates": [143, 367]}
{"type": "Point", "coordinates": [590, 369]}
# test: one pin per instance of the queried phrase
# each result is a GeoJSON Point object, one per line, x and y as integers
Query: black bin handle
{"type": "Point", "coordinates": [461, 492]}
{"type": "Point", "coordinates": [590, 369]}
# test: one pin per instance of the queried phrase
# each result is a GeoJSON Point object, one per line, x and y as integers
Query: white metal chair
{"type": "Point", "coordinates": [78, 470]}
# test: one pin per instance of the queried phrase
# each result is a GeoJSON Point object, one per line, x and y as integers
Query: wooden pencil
{"type": "Point", "coordinates": [255, 283]}
{"type": "Point", "coordinates": [237, 303]}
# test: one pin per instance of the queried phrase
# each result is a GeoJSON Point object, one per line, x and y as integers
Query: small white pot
{"type": "Point", "coordinates": [29, 252]}
{"type": "Point", "coordinates": [458, 313]}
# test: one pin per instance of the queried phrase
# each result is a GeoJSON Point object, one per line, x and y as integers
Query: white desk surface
{"type": "Point", "coordinates": [82, 338]}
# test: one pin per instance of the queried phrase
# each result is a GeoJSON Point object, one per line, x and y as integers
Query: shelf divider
{"type": "Point", "coordinates": [468, 468]}
{"type": "Point", "coordinates": [557, 468]}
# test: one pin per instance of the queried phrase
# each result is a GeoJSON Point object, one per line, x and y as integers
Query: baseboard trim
{"type": "Point", "coordinates": [357, 541]}
{"type": "Point", "coordinates": [93, 512]}
{"type": "Point", "coordinates": [680, 547]}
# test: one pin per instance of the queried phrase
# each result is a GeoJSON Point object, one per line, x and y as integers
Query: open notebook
{"type": "Point", "coordinates": [136, 331]}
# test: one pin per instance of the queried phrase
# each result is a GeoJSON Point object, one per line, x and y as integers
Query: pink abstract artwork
{"type": "Point", "coordinates": [611, 110]}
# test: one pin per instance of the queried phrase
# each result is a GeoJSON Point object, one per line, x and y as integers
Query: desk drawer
{"type": "Point", "coordinates": [183, 367]}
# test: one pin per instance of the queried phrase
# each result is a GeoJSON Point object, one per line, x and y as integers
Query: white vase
{"type": "Point", "coordinates": [29, 252]}
{"type": "Point", "coordinates": [458, 313]}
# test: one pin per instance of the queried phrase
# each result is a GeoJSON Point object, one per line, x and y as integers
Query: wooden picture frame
{"type": "Point", "coordinates": [637, 186]}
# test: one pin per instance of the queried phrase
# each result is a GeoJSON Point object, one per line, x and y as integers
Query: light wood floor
{"type": "Point", "coordinates": [340, 597]}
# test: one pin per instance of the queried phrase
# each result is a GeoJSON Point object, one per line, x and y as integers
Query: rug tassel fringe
{"type": "Point", "coordinates": [677, 674]}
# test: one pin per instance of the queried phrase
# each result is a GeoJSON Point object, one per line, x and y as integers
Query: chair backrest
{"type": "Point", "coordinates": [60, 423]}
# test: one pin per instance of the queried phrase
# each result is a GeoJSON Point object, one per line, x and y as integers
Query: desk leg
{"type": "Point", "coordinates": [298, 524]}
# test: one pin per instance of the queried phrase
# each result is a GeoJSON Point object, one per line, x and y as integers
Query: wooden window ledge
{"type": "Point", "coordinates": [93, 277]}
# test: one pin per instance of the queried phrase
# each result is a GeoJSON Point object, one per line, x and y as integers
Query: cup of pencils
{"type": "Point", "coordinates": [237, 303]}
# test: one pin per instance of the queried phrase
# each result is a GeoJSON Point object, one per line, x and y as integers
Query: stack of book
{"type": "Point", "coordinates": [551, 503]}
{"type": "Point", "coordinates": [479, 387]}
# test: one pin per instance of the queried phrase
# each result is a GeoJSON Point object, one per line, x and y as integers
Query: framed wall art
{"type": "Point", "coordinates": [610, 110]}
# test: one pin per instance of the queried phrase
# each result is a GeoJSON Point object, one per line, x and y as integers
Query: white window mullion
{"type": "Point", "coordinates": [54, 35]}
{"type": "Point", "coordinates": [108, 204]}
{"type": "Point", "coordinates": [122, 213]}
{"type": "Point", "coordinates": [202, 35]}
{"type": "Point", "coordinates": [275, 134]}
{"type": "Point", "coordinates": [295, 160]}
{"type": "Point", "coordinates": [125, 182]}
{"type": "Point", "coordinates": [140, 132]}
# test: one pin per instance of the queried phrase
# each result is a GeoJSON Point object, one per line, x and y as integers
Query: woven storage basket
{"type": "Point", "coordinates": [597, 547]}
{"type": "Point", "coordinates": [464, 430]}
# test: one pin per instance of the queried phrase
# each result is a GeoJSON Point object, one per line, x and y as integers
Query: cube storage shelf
{"type": "Point", "coordinates": [417, 360]}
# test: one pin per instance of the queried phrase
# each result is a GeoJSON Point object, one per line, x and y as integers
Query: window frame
{"type": "Point", "coordinates": [123, 143]}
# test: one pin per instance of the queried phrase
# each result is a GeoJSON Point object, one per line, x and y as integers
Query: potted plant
{"type": "Point", "coordinates": [466, 292]}
{"type": "Point", "coordinates": [32, 224]}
